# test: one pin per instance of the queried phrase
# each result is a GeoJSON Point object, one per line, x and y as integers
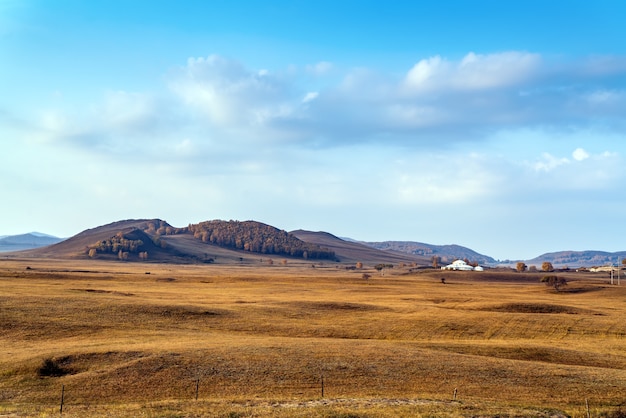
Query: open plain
{"type": "Point", "coordinates": [115, 339]}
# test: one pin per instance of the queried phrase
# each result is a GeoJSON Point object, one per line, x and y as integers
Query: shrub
{"type": "Point", "coordinates": [51, 368]}
{"type": "Point", "coordinates": [554, 281]}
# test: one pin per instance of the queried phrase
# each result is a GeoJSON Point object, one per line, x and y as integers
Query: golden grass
{"type": "Point", "coordinates": [135, 339]}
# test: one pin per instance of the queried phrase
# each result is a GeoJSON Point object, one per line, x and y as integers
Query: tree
{"type": "Point", "coordinates": [381, 268]}
{"type": "Point", "coordinates": [547, 266]}
{"type": "Point", "coordinates": [359, 265]}
{"type": "Point", "coordinates": [521, 267]}
{"type": "Point", "coordinates": [435, 260]}
{"type": "Point", "coordinates": [554, 281]}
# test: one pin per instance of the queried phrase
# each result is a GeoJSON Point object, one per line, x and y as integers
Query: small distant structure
{"type": "Point", "coordinates": [607, 269]}
{"type": "Point", "coordinates": [461, 265]}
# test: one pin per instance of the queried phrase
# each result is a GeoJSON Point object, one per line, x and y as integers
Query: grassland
{"type": "Point", "coordinates": [132, 339]}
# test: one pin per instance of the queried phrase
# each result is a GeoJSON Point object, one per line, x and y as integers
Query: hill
{"type": "Point", "coordinates": [351, 251]}
{"type": "Point", "coordinates": [26, 241]}
{"type": "Point", "coordinates": [587, 258]}
{"type": "Point", "coordinates": [211, 241]}
{"type": "Point", "coordinates": [448, 253]}
{"type": "Point", "coordinates": [78, 245]}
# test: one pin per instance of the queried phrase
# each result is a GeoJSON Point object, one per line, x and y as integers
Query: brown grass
{"type": "Point", "coordinates": [259, 340]}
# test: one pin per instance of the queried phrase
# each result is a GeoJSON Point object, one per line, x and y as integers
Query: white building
{"type": "Point", "coordinates": [461, 265]}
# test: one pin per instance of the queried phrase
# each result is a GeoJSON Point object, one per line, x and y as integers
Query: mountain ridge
{"type": "Point", "coordinates": [586, 258]}
{"type": "Point", "coordinates": [447, 253]}
{"type": "Point", "coordinates": [26, 241]}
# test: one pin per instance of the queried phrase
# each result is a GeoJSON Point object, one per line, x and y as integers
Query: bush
{"type": "Point", "coordinates": [51, 368]}
{"type": "Point", "coordinates": [554, 281]}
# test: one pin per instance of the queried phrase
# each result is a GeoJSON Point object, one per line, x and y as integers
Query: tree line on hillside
{"type": "Point", "coordinates": [118, 245]}
{"type": "Point", "coordinates": [256, 237]}
{"type": "Point", "coordinates": [246, 236]}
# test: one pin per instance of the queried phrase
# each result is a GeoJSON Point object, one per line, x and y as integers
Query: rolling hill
{"type": "Point", "coordinates": [212, 242]}
{"type": "Point", "coordinates": [355, 251]}
{"type": "Point", "coordinates": [250, 241]}
{"type": "Point", "coordinates": [448, 253]}
{"type": "Point", "coordinates": [26, 241]}
{"type": "Point", "coordinates": [587, 258]}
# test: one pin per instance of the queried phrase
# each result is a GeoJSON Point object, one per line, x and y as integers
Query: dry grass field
{"type": "Point", "coordinates": [132, 339]}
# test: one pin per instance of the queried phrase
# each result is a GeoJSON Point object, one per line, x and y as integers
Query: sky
{"type": "Point", "coordinates": [496, 125]}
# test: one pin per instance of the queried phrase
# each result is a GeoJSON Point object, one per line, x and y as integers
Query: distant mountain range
{"type": "Point", "coordinates": [446, 253]}
{"type": "Point", "coordinates": [234, 241]}
{"type": "Point", "coordinates": [579, 258]}
{"type": "Point", "coordinates": [26, 241]}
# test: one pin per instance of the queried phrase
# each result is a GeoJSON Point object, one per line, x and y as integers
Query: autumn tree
{"type": "Point", "coordinates": [547, 266]}
{"type": "Point", "coordinates": [435, 259]}
{"type": "Point", "coordinates": [554, 281]}
{"type": "Point", "coordinates": [257, 237]}
{"type": "Point", "coordinates": [521, 267]}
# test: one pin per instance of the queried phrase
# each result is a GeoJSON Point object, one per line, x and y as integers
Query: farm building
{"type": "Point", "coordinates": [461, 265]}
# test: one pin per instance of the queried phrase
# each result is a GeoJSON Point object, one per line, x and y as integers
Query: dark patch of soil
{"type": "Point", "coordinates": [539, 308]}
{"type": "Point", "coordinates": [113, 292]}
{"type": "Point", "coordinates": [336, 306]}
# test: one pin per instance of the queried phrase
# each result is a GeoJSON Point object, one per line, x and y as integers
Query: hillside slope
{"type": "Point", "coordinates": [587, 258]}
{"type": "Point", "coordinates": [349, 251]}
{"type": "Point", "coordinates": [448, 253]}
{"type": "Point", "coordinates": [78, 245]}
{"type": "Point", "coordinates": [26, 241]}
{"type": "Point", "coordinates": [248, 242]}
{"type": "Point", "coordinates": [155, 240]}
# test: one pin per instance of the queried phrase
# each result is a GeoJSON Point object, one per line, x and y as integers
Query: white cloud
{"type": "Point", "coordinates": [230, 96]}
{"type": "Point", "coordinates": [473, 72]}
{"type": "Point", "coordinates": [549, 162]}
{"type": "Point", "coordinates": [217, 104]}
{"type": "Point", "coordinates": [453, 178]}
{"type": "Point", "coordinates": [310, 96]}
{"type": "Point", "coordinates": [496, 70]}
{"type": "Point", "coordinates": [585, 172]}
{"type": "Point", "coordinates": [580, 154]}
{"type": "Point", "coordinates": [429, 73]}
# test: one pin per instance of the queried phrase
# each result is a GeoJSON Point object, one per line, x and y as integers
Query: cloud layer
{"type": "Point", "coordinates": [435, 103]}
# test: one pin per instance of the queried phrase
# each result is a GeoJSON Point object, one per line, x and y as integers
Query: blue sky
{"type": "Point", "coordinates": [497, 125]}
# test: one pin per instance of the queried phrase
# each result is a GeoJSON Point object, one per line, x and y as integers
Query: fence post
{"type": "Point", "coordinates": [454, 396]}
{"type": "Point", "coordinates": [322, 381]}
{"type": "Point", "coordinates": [587, 404]}
{"type": "Point", "coordinates": [197, 386]}
{"type": "Point", "coordinates": [62, 399]}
